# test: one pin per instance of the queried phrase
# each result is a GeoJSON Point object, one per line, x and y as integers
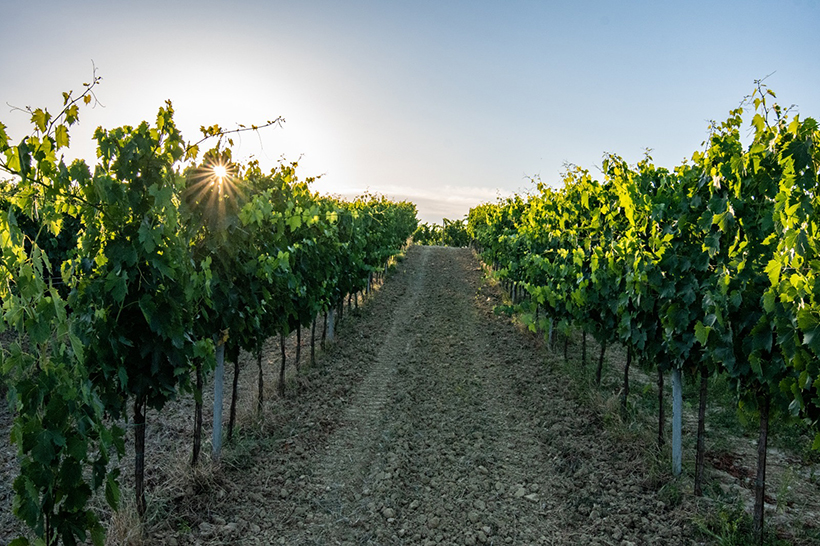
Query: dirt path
{"type": "Point", "coordinates": [430, 421]}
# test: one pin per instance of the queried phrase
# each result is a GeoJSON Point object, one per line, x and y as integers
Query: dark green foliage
{"type": "Point", "coordinates": [450, 233]}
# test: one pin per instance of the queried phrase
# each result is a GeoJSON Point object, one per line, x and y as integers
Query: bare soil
{"type": "Point", "coordinates": [429, 420]}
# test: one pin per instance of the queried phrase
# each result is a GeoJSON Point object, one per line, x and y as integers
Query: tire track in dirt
{"type": "Point", "coordinates": [471, 463]}
{"type": "Point", "coordinates": [350, 449]}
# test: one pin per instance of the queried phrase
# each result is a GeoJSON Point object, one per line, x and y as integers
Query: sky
{"type": "Point", "coordinates": [444, 103]}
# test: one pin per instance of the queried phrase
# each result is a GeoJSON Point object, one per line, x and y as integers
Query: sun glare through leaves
{"type": "Point", "coordinates": [214, 188]}
{"type": "Point", "coordinates": [220, 173]}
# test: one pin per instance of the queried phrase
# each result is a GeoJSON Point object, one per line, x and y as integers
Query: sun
{"type": "Point", "coordinates": [220, 173]}
{"type": "Point", "coordinates": [214, 188]}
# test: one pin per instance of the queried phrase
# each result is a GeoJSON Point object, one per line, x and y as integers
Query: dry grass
{"type": "Point", "coordinates": [125, 528]}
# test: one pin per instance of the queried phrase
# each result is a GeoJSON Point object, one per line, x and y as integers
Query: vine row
{"type": "Point", "coordinates": [708, 269]}
{"type": "Point", "coordinates": [124, 282]}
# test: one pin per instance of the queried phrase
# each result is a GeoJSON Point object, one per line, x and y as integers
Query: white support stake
{"type": "Point", "coordinates": [677, 410]}
{"type": "Point", "coordinates": [219, 379]}
{"type": "Point", "coordinates": [331, 315]}
{"type": "Point", "coordinates": [550, 336]}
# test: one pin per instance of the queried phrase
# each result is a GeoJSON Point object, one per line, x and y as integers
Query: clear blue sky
{"type": "Point", "coordinates": [444, 103]}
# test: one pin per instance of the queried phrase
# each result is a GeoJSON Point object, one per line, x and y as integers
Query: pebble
{"type": "Point", "coordinates": [389, 513]}
{"type": "Point", "coordinates": [480, 504]}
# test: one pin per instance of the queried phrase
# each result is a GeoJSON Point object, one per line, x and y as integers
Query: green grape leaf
{"type": "Point", "coordinates": [40, 119]}
{"type": "Point", "coordinates": [112, 491]}
{"type": "Point", "coordinates": [61, 136]}
{"type": "Point", "coordinates": [810, 327]}
{"type": "Point", "coordinates": [773, 271]}
{"type": "Point", "coordinates": [702, 333]}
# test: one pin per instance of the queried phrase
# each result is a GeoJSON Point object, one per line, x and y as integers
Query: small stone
{"type": "Point", "coordinates": [414, 505]}
{"type": "Point", "coordinates": [520, 492]}
{"type": "Point", "coordinates": [499, 487]}
{"type": "Point", "coordinates": [433, 523]}
{"type": "Point", "coordinates": [469, 540]}
{"type": "Point", "coordinates": [284, 493]}
{"type": "Point", "coordinates": [532, 497]}
{"type": "Point", "coordinates": [480, 504]}
{"type": "Point", "coordinates": [487, 530]}
{"type": "Point", "coordinates": [473, 516]}
{"type": "Point", "coordinates": [482, 469]}
{"type": "Point", "coordinates": [389, 513]}
{"type": "Point", "coordinates": [482, 538]}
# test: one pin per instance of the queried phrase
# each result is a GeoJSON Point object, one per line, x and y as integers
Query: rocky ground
{"type": "Point", "coordinates": [430, 420]}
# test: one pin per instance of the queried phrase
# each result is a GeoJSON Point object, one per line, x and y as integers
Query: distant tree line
{"type": "Point", "coordinates": [451, 233]}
